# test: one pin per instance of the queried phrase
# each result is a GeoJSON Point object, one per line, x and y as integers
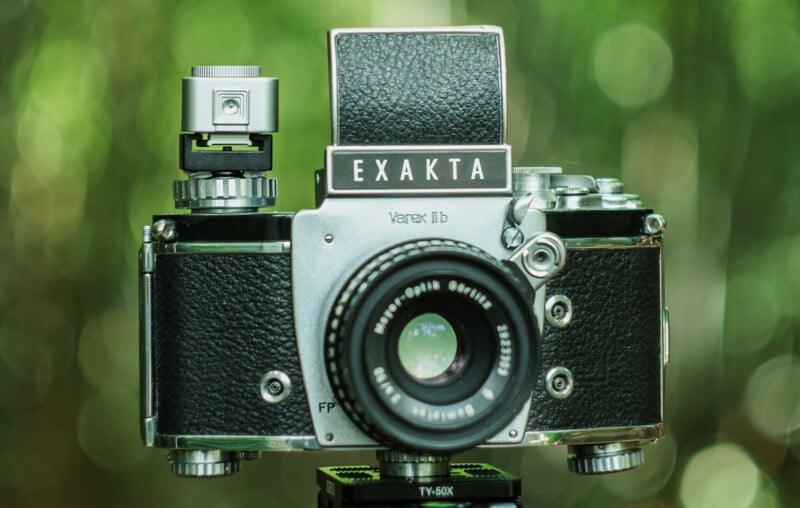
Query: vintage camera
{"type": "Point", "coordinates": [436, 299]}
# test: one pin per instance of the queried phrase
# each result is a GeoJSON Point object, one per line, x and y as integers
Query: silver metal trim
{"type": "Point", "coordinates": [227, 247]}
{"type": "Point", "coordinates": [472, 29]}
{"type": "Point", "coordinates": [147, 260]}
{"type": "Point", "coordinates": [553, 303]}
{"type": "Point", "coordinates": [553, 258]}
{"type": "Point", "coordinates": [514, 432]}
{"type": "Point", "coordinates": [237, 443]}
{"type": "Point", "coordinates": [149, 431]}
{"type": "Point", "coordinates": [665, 340]}
{"type": "Point", "coordinates": [605, 242]}
{"type": "Point", "coordinates": [331, 149]}
{"type": "Point", "coordinates": [271, 377]}
{"type": "Point", "coordinates": [146, 341]}
{"type": "Point", "coordinates": [553, 376]}
{"type": "Point", "coordinates": [641, 434]}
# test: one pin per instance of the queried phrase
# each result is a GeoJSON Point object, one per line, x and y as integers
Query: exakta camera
{"type": "Point", "coordinates": [437, 298]}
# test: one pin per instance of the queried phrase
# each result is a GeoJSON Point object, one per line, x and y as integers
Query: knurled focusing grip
{"type": "Point", "coordinates": [421, 86]}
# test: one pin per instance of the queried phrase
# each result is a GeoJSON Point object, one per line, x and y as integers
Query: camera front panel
{"type": "Point", "coordinates": [612, 346]}
{"type": "Point", "coordinates": [329, 245]}
{"type": "Point", "coordinates": [604, 340]}
{"type": "Point", "coordinates": [224, 356]}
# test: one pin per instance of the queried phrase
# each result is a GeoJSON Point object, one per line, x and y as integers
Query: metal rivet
{"type": "Point", "coordinates": [512, 434]}
{"type": "Point", "coordinates": [164, 230]}
{"type": "Point", "coordinates": [329, 436]}
{"type": "Point", "coordinates": [328, 238]}
{"type": "Point", "coordinates": [654, 224]}
{"type": "Point", "coordinates": [559, 383]}
{"type": "Point", "coordinates": [275, 387]}
{"type": "Point", "coordinates": [558, 311]}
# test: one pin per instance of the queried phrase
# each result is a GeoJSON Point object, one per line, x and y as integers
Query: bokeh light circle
{"type": "Point", "coordinates": [648, 479]}
{"type": "Point", "coordinates": [37, 341]}
{"type": "Point", "coordinates": [108, 352]}
{"type": "Point", "coordinates": [772, 400]}
{"type": "Point", "coordinates": [632, 64]}
{"type": "Point", "coordinates": [765, 45]}
{"type": "Point", "coordinates": [721, 475]}
{"type": "Point", "coordinates": [751, 314]}
{"type": "Point", "coordinates": [107, 423]}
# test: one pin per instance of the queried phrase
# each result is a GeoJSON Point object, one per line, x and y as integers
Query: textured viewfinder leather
{"type": "Point", "coordinates": [411, 88]}
{"type": "Point", "coordinates": [612, 345]}
{"type": "Point", "coordinates": [221, 322]}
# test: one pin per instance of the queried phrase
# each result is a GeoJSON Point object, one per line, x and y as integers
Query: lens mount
{"type": "Point", "coordinates": [432, 346]}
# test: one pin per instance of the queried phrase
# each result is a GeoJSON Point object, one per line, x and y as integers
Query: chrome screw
{"type": "Point", "coordinates": [559, 383]}
{"type": "Point", "coordinates": [654, 224]}
{"type": "Point", "coordinates": [164, 230]}
{"type": "Point", "coordinates": [275, 387]}
{"type": "Point", "coordinates": [512, 237]}
{"type": "Point", "coordinates": [558, 311]}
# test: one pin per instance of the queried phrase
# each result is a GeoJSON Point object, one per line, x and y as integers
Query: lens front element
{"type": "Point", "coordinates": [428, 348]}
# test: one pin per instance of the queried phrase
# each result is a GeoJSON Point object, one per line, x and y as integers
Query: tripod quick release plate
{"type": "Point", "coordinates": [467, 486]}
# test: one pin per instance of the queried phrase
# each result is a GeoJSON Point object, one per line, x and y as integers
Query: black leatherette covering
{"type": "Point", "coordinates": [423, 88]}
{"type": "Point", "coordinates": [612, 345]}
{"type": "Point", "coordinates": [221, 322]}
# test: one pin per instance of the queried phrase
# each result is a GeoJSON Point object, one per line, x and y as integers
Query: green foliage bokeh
{"type": "Point", "coordinates": [695, 105]}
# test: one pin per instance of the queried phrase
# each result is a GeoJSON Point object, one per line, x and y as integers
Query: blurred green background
{"type": "Point", "coordinates": [696, 105]}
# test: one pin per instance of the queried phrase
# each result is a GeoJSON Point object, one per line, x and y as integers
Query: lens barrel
{"type": "Point", "coordinates": [432, 346]}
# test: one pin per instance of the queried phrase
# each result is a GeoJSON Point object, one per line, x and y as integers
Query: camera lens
{"type": "Point", "coordinates": [432, 346]}
{"type": "Point", "coordinates": [428, 348]}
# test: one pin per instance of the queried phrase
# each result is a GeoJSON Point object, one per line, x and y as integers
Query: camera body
{"type": "Point", "coordinates": [434, 300]}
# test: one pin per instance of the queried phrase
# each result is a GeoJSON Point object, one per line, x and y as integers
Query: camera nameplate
{"type": "Point", "coordinates": [418, 170]}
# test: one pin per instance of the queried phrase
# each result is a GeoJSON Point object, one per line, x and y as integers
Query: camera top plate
{"type": "Point", "coordinates": [419, 86]}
